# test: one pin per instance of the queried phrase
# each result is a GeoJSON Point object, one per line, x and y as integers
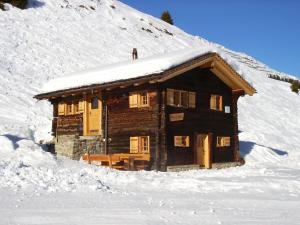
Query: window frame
{"type": "Point", "coordinates": [176, 98]}
{"type": "Point", "coordinates": [223, 141]}
{"type": "Point", "coordinates": [141, 145]}
{"type": "Point", "coordinates": [216, 103]}
{"type": "Point", "coordinates": [94, 100]}
{"type": "Point", "coordinates": [182, 137]}
{"type": "Point", "coordinates": [141, 96]}
{"type": "Point", "coordinates": [136, 99]}
{"type": "Point", "coordinates": [77, 107]}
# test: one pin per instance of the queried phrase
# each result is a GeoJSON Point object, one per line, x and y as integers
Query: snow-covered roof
{"type": "Point", "coordinates": [133, 69]}
{"type": "Point", "coordinates": [125, 70]}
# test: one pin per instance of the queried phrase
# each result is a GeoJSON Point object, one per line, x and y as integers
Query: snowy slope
{"type": "Point", "coordinates": [54, 38]}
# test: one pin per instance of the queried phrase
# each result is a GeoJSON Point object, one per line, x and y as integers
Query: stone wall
{"type": "Point", "coordinates": [74, 146]}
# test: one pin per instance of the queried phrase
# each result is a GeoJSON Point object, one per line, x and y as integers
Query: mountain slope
{"type": "Point", "coordinates": [59, 37]}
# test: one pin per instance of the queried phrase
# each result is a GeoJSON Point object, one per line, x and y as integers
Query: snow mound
{"type": "Point", "coordinates": [23, 164]}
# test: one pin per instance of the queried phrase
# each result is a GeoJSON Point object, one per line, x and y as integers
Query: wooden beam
{"type": "Point", "coordinates": [178, 71]}
{"type": "Point", "coordinates": [125, 86]}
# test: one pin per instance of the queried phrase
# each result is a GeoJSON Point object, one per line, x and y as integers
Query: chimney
{"type": "Point", "coordinates": [134, 54]}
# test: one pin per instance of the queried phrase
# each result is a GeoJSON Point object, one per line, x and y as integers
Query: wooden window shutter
{"type": "Point", "coordinates": [213, 102]}
{"type": "Point", "coordinates": [61, 109]}
{"type": "Point", "coordinates": [177, 141]}
{"type": "Point", "coordinates": [133, 100]}
{"type": "Point", "coordinates": [170, 97]}
{"type": "Point", "coordinates": [187, 141]}
{"type": "Point", "coordinates": [134, 144]}
{"type": "Point", "coordinates": [192, 99]}
{"type": "Point", "coordinates": [226, 141]}
{"type": "Point", "coordinates": [220, 106]}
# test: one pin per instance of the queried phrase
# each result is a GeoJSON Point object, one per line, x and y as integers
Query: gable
{"type": "Point", "coordinates": [219, 68]}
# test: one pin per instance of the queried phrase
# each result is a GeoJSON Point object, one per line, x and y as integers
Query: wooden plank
{"type": "Point", "coordinates": [176, 117]}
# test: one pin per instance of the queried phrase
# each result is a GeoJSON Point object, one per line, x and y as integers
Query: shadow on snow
{"type": "Point", "coordinates": [247, 146]}
{"type": "Point", "coordinates": [35, 4]}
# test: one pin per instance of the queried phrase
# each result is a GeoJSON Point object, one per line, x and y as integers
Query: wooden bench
{"type": "Point", "coordinates": [121, 161]}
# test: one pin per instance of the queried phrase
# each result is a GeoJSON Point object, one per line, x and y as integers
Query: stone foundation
{"type": "Point", "coordinates": [74, 146]}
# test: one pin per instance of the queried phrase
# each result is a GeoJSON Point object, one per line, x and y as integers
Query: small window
{"type": "Point", "coordinates": [176, 98]}
{"type": "Point", "coordinates": [138, 100]}
{"type": "Point", "coordinates": [216, 102]}
{"type": "Point", "coordinates": [184, 99]}
{"type": "Point", "coordinates": [179, 98]}
{"type": "Point", "coordinates": [181, 141]}
{"type": "Point", "coordinates": [140, 144]}
{"type": "Point", "coordinates": [94, 103]}
{"type": "Point", "coordinates": [69, 109]}
{"type": "Point", "coordinates": [223, 141]}
{"type": "Point", "coordinates": [144, 99]}
{"type": "Point", "coordinates": [144, 144]}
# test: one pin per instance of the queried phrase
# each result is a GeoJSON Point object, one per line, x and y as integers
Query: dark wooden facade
{"type": "Point", "coordinates": [153, 121]}
{"type": "Point", "coordinates": [120, 122]}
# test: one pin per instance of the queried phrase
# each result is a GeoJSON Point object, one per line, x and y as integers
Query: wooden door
{"type": "Point", "coordinates": [203, 150]}
{"type": "Point", "coordinates": [94, 116]}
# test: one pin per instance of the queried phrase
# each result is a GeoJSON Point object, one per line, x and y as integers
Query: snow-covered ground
{"type": "Point", "coordinates": [54, 38]}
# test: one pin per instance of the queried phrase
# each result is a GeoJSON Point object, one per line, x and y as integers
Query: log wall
{"type": "Point", "coordinates": [200, 119]}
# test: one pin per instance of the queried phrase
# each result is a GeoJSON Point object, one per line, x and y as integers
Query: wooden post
{"type": "Point", "coordinates": [157, 132]}
{"type": "Point", "coordinates": [208, 151]}
{"type": "Point", "coordinates": [163, 133]}
{"type": "Point", "coordinates": [106, 131]}
{"type": "Point", "coordinates": [88, 156]}
{"type": "Point", "coordinates": [236, 148]}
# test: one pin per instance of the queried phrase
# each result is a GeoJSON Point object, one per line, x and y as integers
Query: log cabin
{"type": "Point", "coordinates": [161, 113]}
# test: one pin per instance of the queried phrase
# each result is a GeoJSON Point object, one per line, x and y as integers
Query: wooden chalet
{"type": "Point", "coordinates": [182, 116]}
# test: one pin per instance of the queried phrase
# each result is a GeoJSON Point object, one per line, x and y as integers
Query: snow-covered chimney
{"type": "Point", "coordinates": [134, 54]}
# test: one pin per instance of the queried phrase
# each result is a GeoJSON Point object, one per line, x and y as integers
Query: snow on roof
{"type": "Point", "coordinates": [125, 70]}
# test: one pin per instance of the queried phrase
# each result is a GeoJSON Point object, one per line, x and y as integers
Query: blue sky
{"type": "Point", "coordinates": [268, 30]}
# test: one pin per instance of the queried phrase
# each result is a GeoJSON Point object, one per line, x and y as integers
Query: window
{"type": "Point", "coordinates": [179, 98]}
{"type": "Point", "coordinates": [223, 141]}
{"type": "Point", "coordinates": [138, 100]}
{"type": "Point", "coordinates": [94, 103]}
{"type": "Point", "coordinates": [184, 99]}
{"type": "Point", "coordinates": [176, 98]}
{"type": "Point", "coordinates": [69, 109]}
{"type": "Point", "coordinates": [144, 99]}
{"type": "Point", "coordinates": [140, 144]}
{"type": "Point", "coordinates": [144, 144]}
{"type": "Point", "coordinates": [181, 141]}
{"type": "Point", "coordinates": [216, 102]}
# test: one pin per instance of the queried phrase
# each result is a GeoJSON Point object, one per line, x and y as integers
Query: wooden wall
{"type": "Point", "coordinates": [201, 119]}
{"type": "Point", "coordinates": [125, 122]}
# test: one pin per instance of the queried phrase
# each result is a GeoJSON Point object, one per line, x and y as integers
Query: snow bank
{"type": "Point", "coordinates": [24, 165]}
